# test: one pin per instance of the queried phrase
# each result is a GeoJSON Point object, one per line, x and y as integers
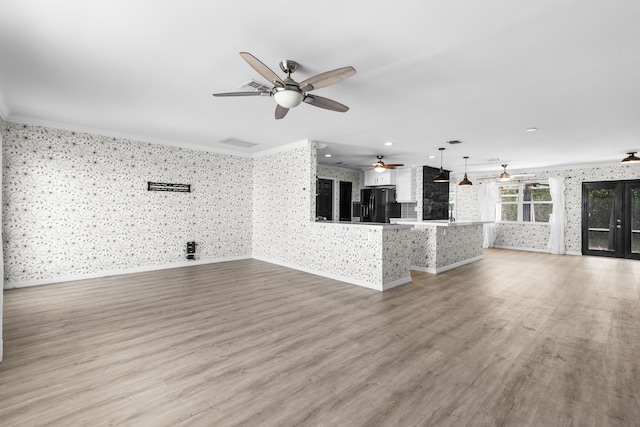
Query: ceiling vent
{"type": "Point", "coordinates": [453, 142]}
{"type": "Point", "coordinates": [256, 85]}
{"type": "Point", "coordinates": [238, 143]}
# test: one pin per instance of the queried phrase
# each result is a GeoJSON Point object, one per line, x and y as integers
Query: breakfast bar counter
{"type": "Point", "coordinates": [438, 246]}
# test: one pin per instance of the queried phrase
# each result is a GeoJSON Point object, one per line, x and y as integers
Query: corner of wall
{"type": "Point", "coordinates": [1, 244]}
{"type": "Point", "coordinates": [4, 109]}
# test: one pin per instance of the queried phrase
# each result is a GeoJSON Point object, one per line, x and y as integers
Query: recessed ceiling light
{"type": "Point", "coordinates": [388, 143]}
{"type": "Point", "coordinates": [327, 155]}
{"type": "Point", "coordinates": [531, 129]}
{"type": "Point", "coordinates": [432, 157]}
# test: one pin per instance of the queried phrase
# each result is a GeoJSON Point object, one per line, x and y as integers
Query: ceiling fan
{"type": "Point", "coordinates": [288, 93]}
{"type": "Point", "coordinates": [380, 166]}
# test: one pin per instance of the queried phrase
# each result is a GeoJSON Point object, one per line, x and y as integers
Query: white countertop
{"type": "Point", "coordinates": [436, 223]}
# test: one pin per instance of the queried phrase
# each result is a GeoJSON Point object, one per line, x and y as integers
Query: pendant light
{"type": "Point", "coordinates": [465, 180]}
{"type": "Point", "coordinates": [504, 176]}
{"type": "Point", "coordinates": [442, 176]}
{"type": "Point", "coordinates": [631, 158]}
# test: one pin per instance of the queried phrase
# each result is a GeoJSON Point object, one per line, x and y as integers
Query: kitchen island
{"type": "Point", "coordinates": [438, 246]}
{"type": "Point", "coordinates": [374, 255]}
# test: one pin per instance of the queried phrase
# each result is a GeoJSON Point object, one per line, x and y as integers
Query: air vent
{"type": "Point", "coordinates": [453, 142]}
{"type": "Point", "coordinates": [256, 85]}
{"type": "Point", "coordinates": [238, 143]}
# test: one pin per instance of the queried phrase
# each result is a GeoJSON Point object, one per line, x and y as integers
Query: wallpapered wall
{"type": "Point", "coordinates": [284, 184]}
{"type": "Point", "coordinates": [536, 236]}
{"type": "Point", "coordinates": [77, 204]}
{"type": "Point", "coordinates": [1, 264]}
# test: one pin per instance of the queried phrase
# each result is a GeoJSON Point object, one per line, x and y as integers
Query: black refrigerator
{"type": "Point", "coordinates": [378, 205]}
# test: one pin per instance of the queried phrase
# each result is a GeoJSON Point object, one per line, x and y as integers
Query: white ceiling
{"type": "Point", "coordinates": [428, 71]}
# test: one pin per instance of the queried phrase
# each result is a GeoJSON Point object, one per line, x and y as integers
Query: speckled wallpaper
{"type": "Point", "coordinates": [77, 204]}
{"type": "Point", "coordinates": [536, 236]}
{"type": "Point", "coordinates": [283, 184]}
{"type": "Point", "coordinates": [283, 233]}
{"type": "Point", "coordinates": [435, 248]}
{"type": "Point", "coordinates": [533, 236]}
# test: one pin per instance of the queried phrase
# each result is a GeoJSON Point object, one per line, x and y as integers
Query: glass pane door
{"type": "Point", "coordinates": [632, 231]}
{"type": "Point", "coordinates": [601, 219]}
{"type": "Point", "coordinates": [611, 218]}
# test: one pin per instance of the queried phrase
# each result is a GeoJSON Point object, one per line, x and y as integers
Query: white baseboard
{"type": "Point", "coordinates": [545, 251]}
{"type": "Point", "coordinates": [396, 283]}
{"type": "Point", "coordinates": [514, 248]}
{"type": "Point", "coordinates": [375, 286]}
{"type": "Point", "coordinates": [447, 267]}
{"type": "Point", "coordinates": [26, 283]}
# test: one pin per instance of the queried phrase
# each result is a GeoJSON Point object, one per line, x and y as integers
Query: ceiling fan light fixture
{"type": "Point", "coordinates": [504, 176]}
{"type": "Point", "coordinates": [288, 97]}
{"type": "Point", "coordinates": [465, 180]}
{"type": "Point", "coordinates": [631, 158]}
{"type": "Point", "coordinates": [442, 175]}
{"type": "Point", "coordinates": [379, 168]}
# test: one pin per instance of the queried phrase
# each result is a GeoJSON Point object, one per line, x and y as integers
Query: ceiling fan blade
{"type": "Point", "coordinates": [326, 103]}
{"type": "Point", "coordinates": [254, 93]}
{"type": "Point", "coordinates": [394, 164]}
{"type": "Point", "coordinates": [281, 112]}
{"type": "Point", "coordinates": [327, 78]}
{"type": "Point", "coordinates": [262, 69]}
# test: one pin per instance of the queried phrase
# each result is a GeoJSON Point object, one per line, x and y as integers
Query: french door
{"type": "Point", "coordinates": [611, 219]}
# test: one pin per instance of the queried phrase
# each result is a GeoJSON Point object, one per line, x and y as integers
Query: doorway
{"type": "Point", "coordinates": [611, 219]}
{"type": "Point", "coordinates": [345, 201]}
{"type": "Point", "coordinates": [324, 199]}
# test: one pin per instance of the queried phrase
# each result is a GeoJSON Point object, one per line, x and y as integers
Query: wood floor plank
{"type": "Point", "coordinates": [515, 339]}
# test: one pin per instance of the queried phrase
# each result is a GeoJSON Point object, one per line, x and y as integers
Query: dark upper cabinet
{"type": "Point", "coordinates": [435, 195]}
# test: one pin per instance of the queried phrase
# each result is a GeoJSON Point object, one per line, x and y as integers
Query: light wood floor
{"type": "Point", "coordinates": [517, 339]}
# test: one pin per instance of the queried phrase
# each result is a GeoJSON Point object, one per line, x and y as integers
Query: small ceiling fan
{"type": "Point", "coordinates": [380, 166]}
{"type": "Point", "coordinates": [288, 93]}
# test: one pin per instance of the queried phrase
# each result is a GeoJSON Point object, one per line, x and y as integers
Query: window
{"type": "Point", "coordinates": [524, 202]}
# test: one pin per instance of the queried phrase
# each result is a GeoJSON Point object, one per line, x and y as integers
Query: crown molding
{"type": "Point", "coordinates": [122, 135]}
{"type": "Point", "coordinates": [281, 148]}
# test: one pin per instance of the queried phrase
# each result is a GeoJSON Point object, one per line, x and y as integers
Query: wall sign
{"type": "Point", "coordinates": [161, 186]}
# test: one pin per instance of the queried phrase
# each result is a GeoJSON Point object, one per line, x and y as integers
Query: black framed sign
{"type": "Point", "coordinates": [161, 186]}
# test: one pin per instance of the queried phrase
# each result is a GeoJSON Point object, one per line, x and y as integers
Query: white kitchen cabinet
{"type": "Point", "coordinates": [405, 187]}
{"type": "Point", "coordinates": [373, 178]}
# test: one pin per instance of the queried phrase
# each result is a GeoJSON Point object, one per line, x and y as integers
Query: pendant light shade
{"type": "Point", "coordinates": [442, 175]}
{"type": "Point", "coordinates": [504, 176]}
{"type": "Point", "coordinates": [465, 180]}
{"type": "Point", "coordinates": [631, 158]}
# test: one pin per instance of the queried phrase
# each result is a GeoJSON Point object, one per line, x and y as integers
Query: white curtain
{"type": "Point", "coordinates": [557, 220]}
{"type": "Point", "coordinates": [488, 197]}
